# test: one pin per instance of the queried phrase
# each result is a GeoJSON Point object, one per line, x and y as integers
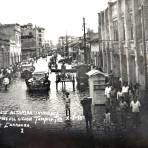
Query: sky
{"type": "Point", "coordinates": [58, 17]}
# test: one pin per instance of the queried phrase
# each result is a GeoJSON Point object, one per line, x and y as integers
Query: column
{"type": "Point", "coordinates": [126, 38]}
{"type": "Point", "coordinates": [111, 59]}
{"type": "Point", "coordinates": [105, 37]}
{"type": "Point", "coordinates": [119, 43]}
{"type": "Point", "coordinates": [100, 54]}
{"type": "Point", "coordinates": [102, 42]}
{"type": "Point", "coordinates": [110, 35]}
{"type": "Point", "coordinates": [135, 12]}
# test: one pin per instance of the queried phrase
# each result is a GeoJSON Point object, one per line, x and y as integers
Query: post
{"type": "Point", "coordinates": [102, 43]}
{"type": "Point", "coordinates": [119, 42]}
{"type": "Point", "coordinates": [66, 47]}
{"type": "Point", "coordinates": [84, 35]}
{"type": "Point", "coordinates": [134, 7]}
{"type": "Point", "coordinates": [110, 34]}
{"type": "Point", "coordinates": [127, 38]}
{"type": "Point", "coordinates": [106, 43]}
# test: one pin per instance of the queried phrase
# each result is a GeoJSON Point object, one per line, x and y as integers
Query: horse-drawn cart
{"type": "Point", "coordinates": [63, 78]}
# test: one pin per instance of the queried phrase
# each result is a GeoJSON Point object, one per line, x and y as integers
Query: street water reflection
{"type": "Point", "coordinates": [17, 98]}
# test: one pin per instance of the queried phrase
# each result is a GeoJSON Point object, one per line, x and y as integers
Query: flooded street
{"type": "Point", "coordinates": [17, 98]}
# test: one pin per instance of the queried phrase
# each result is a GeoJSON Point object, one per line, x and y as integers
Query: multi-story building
{"type": "Point", "coordinates": [123, 28]}
{"type": "Point", "coordinates": [13, 33]}
{"type": "Point", "coordinates": [94, 50]}
{"type": "Point", "coordinates": [32, 39]}
{"type": "Point", "coordinates": [4, 50]}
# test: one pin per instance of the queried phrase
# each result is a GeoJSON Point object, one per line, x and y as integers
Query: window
{"type": "Point", "coordinates": [132, 37]}
{"type": "Point", "coordinates": [131, 28]}
{"type": "Point", "coordinates": [123, 29]}
{"type": "Point", "coordinates": [115, 30]}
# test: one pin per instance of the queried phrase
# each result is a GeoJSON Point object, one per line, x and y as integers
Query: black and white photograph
{"type": "Point", "coordinates": [74, 74]}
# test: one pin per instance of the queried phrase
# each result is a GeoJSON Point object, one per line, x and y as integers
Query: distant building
{"type": "Point", "coordinates": [95, 50]}
{"type": "Point", "coordinates": [74, 49]}
{"type": "Point", "coordinates": [32, 39]}
{"type": "Point", "coordinates": [63, 44]}
{"type": "Point", "coordinates": [12, 35]}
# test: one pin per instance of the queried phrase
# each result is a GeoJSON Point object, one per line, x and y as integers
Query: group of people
{"type": "Point", "coordinates": [6, 75]}
{"type": "Point", "coordinates": [124, 100]}
{"type": "Point", "coordinates": [53, 62]}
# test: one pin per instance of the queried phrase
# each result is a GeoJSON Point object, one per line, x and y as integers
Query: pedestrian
{"type": "Point", "coordinates": [63, 70]}
{"type": "Point", "coordinates": [125, 91]}
{"type": "Point", "coordinates": [131, 89]}
{"type": "Point", "coordinates": [113, 95]}
{"type": "Point", "coordinates": [123, 110]}
{"type": "Point", "coordinates": [119, 95]}
{"type": "Point", "coordinates": [107, 94]}
{"type": "Point", "coordinates": [9, 74]}
{"type": "Point", "coordinates": [6, 82]}
{"type": "Point", "coordinates": [49, 65]}
{"type": "Point", "coordinates": [136, 88]}
{"type": "Point", "coordinates": [86, 104]}
{"type": "Point", "coordinates": [4, 71]}
{"type": "Point", "coordinates": [107, 120]}
{"type": "Point", "coordinates": [111, 77]}
{"type": "Point", "coordinates": [1, 79]}
{"type": "Point", "coordinates": [135, 106]}
{"type": "Point", "coordinates": [67, 104]}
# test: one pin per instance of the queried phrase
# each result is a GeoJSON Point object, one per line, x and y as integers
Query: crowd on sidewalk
{"type": "Point", "coordinates": [124, 99]}
{"type": "Point", "coordinates": [7, 74]}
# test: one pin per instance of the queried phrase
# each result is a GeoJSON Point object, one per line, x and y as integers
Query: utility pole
{"type": "Point", "coordinates": [66, 47]}
{"type": "Point", "coordinates": [84, 35]}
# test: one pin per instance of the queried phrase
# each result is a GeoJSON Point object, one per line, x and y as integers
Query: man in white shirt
{"type": "Point", "coordinates": [107, 91]}
{"type": "Point", "coordinates": [108, 95]}
{"type": "Point", "coordinates": [125, 92]}
{"type": "Point", "coordinates": [6, 82]}
{"type": "Point", "coordinates": [135, 106]}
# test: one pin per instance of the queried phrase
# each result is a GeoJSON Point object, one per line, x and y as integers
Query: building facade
{"type": "Point", "coordinates": [121, 38]}
{"type": "Point", "coordinates": [32, 39]}
{"type": "Point", "coordinates": [13, 33]}
{"type": "Point", "coordinates": [4, 50]}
